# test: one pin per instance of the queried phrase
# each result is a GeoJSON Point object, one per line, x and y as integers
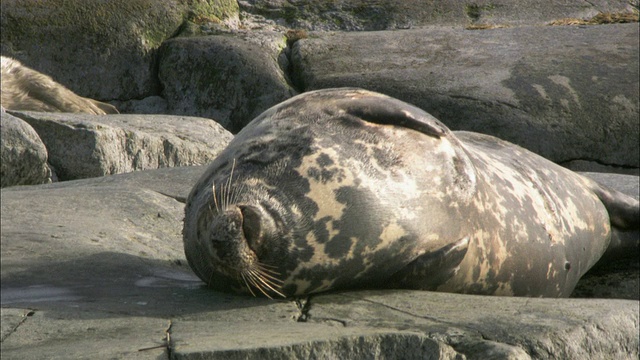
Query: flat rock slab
{"type": "Point", "coordinates": [95, 268]}
{"type": "Point", "coordinates": [481, 326]}
{"type": "Point", "coordinates": [566, 93]}
{"type": "Point", "coordinates": [82, 146]}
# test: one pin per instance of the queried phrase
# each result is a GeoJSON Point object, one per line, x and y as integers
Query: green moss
{"type": "Point", "coordinates": [290, 13]}
{"type": "Point", "coordinates": [104, 22]}
{"type": "Point", "coordinates": [212, 10]}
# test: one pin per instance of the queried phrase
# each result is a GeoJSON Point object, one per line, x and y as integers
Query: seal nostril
{"type": "Point", "coordinates": [567, 265]}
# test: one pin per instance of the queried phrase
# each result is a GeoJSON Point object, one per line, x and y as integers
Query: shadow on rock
{"type": "Point", "coordinates": [118, 283]}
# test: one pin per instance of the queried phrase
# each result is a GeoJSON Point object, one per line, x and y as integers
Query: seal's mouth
{"type": "Point", "coordinates": [236, 237]}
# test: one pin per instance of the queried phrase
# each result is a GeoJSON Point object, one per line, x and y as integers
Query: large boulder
{"type": "Point", "coordinates": [230, 78]}
{"type": "Point", "coordinates": [23, 156]}
{"type": "Point", "coordinates": [82, 146]}
{"type": "Point", "coordinates": [566, 93]}
{"type": "Point", "coordinates": [369, 15]}
{"type": "Point", "coordinates": [110, 43]}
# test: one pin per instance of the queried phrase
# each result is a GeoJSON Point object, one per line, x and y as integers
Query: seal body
{"type": "Point", "coordinates": [346, 188]}
{"type": "Point", "coordinates": [26, 89]}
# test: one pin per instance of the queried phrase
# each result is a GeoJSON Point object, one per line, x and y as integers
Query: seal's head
{"type": "Point", "coordinates": [245, 234]}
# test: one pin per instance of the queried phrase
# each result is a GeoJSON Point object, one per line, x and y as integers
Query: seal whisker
{"type": "Point", "coordinates": [270, 274]}
{"type": "Point", "coordinates": [253, 278]}
{"type": "Point", "coordinates": [236, 194]}
{"type": "Point", "coordinates": [267, 266]}
{"type": "Point", "coordinates": [263, 288]}
{"type": "Point", "coordinates": [273, 280]}
{"type": "Point", "coordinates": [266, 282]}
{"type": "Point", "coordinates": [227, 190]}
{"type": "Point", "coordinates": [222, 199]}
{"type": "Point", "coordinates": [244, 278]}
{"type": "Point", "coordinates": [215, 197]}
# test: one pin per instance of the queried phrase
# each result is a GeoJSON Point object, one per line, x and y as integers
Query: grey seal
{"type": "Point", "coordinates": [26, 89]}
{"type": "Point", "coordinates": [347, 188]}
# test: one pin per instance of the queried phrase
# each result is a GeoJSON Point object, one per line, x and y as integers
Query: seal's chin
{"type": "Point", "coordinates": [236, 239]}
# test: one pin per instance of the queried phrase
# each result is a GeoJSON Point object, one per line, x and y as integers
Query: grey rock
{"type": "Point", "coordinates": [251, 340]}
{"type": "Point", "coordinates": [174, 182]}
{"type": "Point", "coordinates": [82, 146]}
{"type": "Point", "coordinates": [566, 93]}
{"type": "Point", "coordinates": [370, 15]}
{"type": "Point", "coordinates": [11, 319]}
{"type": "Point", "coordinates": [229, 78]}
{"type": "Point", "coordinates": [480, 326]}
{"type": "Point", "coordinates": [104, 281]}
{"type": "Point", "coordinates": [46, 335]}
{"type": "Point", "coordinates": [101, 273]}
{"type": "Point", "coordinates": [594, 167]}
{"type": "Point", "coordinates": [113, 43]}
{"type": "Point", "coordinates": [149, 105]}
{"type": "Point", "coordinates": [23, 155]}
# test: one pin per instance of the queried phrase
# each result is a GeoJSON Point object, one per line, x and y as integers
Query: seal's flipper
{"type": "Point", "coordinates": [624, 211]}
{"type": "Point", "coordinates": [624, 215]}
{"type": "Point", "coordinates": [434, 268]}
{"type": "Point", "coordinates": [107, 108]}
{"type": "Point", "coordinates": [388, 111]}
{"type": "Point", "coordinates": [623, 245]}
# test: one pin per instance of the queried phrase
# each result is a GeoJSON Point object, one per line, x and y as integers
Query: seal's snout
{"type": "Point", "coordinates": [236, 226]}
{"type": "Point", "coordinates": [236, 236]}
{"type": "Point", "coordinates": [226, 237]}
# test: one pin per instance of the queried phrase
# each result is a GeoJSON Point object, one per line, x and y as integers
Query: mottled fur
{"type": "Point", "coordinates": [26, 89]}
{"type": "Point", "coordinates": [346, 188]}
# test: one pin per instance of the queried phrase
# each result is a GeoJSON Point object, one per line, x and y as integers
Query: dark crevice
{"type": "Point", "coordinates": [180, 199]}
{"type": "Point", "coordinates": [167, 340]}
{"type": "Point", "coordinates": [293, 79]}
{"type": "Point", "coordinates": [598, 162]}
{"type": "Point", "coordinates": [304, 305]}
{"type": "Point", "coordinates": [25, 315]}
{"type": "Point", "coordinates": [403, 311]}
